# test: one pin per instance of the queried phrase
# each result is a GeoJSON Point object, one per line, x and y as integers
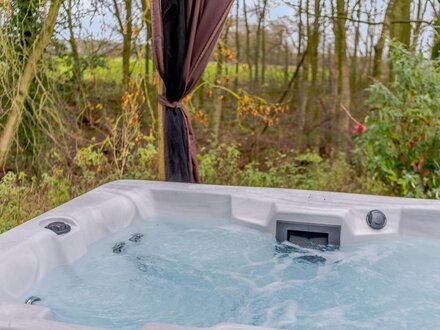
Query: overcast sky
{"type": "Point", "coordinates": [102, 25]}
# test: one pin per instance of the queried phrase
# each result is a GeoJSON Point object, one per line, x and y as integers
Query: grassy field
{"type": "Point", "coordinates": [111, 71]}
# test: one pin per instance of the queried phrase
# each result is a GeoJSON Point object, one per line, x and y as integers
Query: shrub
{"type": "Point", "coordinates": [22, 198]}
{"type": "Point", "coordinates": [222, 165]}
{"type": "Point", "coordinates": [401, 146]}
{"type": "Point", "coordinates": [11, 196]}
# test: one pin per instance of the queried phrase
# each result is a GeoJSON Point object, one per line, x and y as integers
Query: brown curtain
{"type": "Point", "coordinates": [185, 33]}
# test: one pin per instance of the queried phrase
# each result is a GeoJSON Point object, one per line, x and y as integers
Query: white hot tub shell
{"type": "Point", "coordinates": [30, 251]}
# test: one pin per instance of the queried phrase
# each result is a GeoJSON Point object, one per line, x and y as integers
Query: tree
{"type": "Point", "coordinates": [400, 26]}
{"type": "Point", "coordinates": [312, 115]}
{"type": "Point", "coordinates": [218, 95]}
{"type": "Point", "coordinates": [343, 89]}
{"type": "Point", "coordinates": [25, 25]}
{"type": "Point", "coordinates": [401, 145]}
{"type": "Point", "coordinates": [146, 13]}
{"type": "Point", "coordinates": [263, 45]}
{"type": "Point", "coordinates": [28, 73]}
{"type": "Point", "coordinates": [378, 48]}
{"type": "Point", "coordinates": [354, 61]}
{"type": "Point", "coordinates": [435, 52]}
{"type": "Point", "coordinates": [77, 70]}
{"type": "Point", "coordinates": [237, 43]}
{"type": "Point", "coordinates": [125, 24]}
{"type": "Point", "coordinates": [261, 14]}
{"type": "Point", "coordinates": [248, 40]}
{"type": "Point", "coordinates": [421, 11]}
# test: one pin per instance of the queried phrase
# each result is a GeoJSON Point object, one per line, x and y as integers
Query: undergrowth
{"type": "Point", "coordinates": [23, 197]}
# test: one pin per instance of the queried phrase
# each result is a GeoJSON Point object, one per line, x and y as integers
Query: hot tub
{"type": "Point", "coordinates": [200, 256]}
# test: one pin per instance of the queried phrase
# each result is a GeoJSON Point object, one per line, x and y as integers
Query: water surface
{"type": "Point", "coordinates": [198, 274]}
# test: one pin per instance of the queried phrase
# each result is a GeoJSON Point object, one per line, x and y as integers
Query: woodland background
{"type": "Point", "coordinates": [336, 95]}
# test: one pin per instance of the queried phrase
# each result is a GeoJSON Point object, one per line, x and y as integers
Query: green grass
{"type": "Point", "coordinates": [112, 71]}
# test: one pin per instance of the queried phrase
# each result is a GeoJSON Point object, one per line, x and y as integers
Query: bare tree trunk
{"type": "Point", "coordinates": [400, 27]}
{"type": "Point", "coordinates": [263, 44]}
{"type": "Point", "coordinates": [400, 22]}
{"type": "Point", "coordinates": [315, 134]}
{"type": "Point", "coordinates": [324, 74]}
{"type": "Point", "coordinates": [218, 94]}
{"type": "Point", "coordinates": [300, 28]}
{"type": "Point", "coordinates": [146, 81]}
{"type": "Point", "coordinates": [299, 119]}
{"type": "Point", "coordinates": [418, 25]}
{"type": "Point", "coordinates": [314, 42]}
{"type": "Point", "coordinates": [146, 14]}
{"type": "Point", "coordinates": [248, 41]}
{"type": "Point", "coordinates": [343, 92]}
{"type": "Point", "coordinates": [126, 51]}
{"type": "Point", "coordinates": [435, 51]}
{"type": "Point", "coordinates": [237, 44]}
{"type": "Point", "coordinates": [77, 71]}
{"type": "Point", "coordinates": [329, 126]}
{"type": "Point", "coordinates": [371, 32]}
{"type": "Point", "coordinates": [354, 64]}
{"type": "Point", "coordinates": [312, 114]}
{"type": "Point", "coordinates": [286, 57]}
{"type": "Point", "coordinates": [15, 115]}
{"type": "Point", "coordinates": [257, 45]}
{"type": "Point", "coordinates": [305, 85]}
{"type": "Point", "coordinates": [126, 30]}
{"type": "Point", "coordinates": [378, 49]}
{"type": "Point", "coordinates": [261, 14]}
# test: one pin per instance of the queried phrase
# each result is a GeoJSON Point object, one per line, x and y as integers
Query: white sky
{"type": "Point", "coordinates": [103, 25]}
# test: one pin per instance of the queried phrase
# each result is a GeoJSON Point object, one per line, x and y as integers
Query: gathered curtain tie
{"type": "Point", "coordinates": [192, 149]}
{"type": "Point", "coordinates": [174, 105]}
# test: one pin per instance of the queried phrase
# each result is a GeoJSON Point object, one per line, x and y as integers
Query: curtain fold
{"type": "Point", "coordinates": [185, 33]}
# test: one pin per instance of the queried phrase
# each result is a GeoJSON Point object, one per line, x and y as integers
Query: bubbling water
{"type": "Point", "coordinates": [198, 274]}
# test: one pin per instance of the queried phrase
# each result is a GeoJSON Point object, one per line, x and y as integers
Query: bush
{"type": "Point", "coordinates": [22, 197]}
{"type": "Point", "coordinates": [222, 165]}
{"type": "Point", "coordinates": [401, 145]}
{"type": "Point", "coordinates": [11, 193]}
